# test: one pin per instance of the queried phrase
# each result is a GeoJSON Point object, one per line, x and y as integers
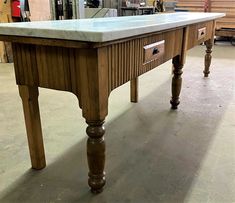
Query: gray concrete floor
{"type": "Point", "coordinates": [154, 154]}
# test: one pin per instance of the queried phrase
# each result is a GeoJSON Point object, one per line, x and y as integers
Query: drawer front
{"type": "Point", "coordinates": [199, 33]}
{"type": "Point", "coordinates": [134, 57]}
{"type": "Point", "coordinates": [154, 51]}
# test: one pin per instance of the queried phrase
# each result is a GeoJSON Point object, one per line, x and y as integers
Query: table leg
{"type": "Point", "coordinates": [178, 63]}
{"type": "Point", "coordinates": [96, 155]}
{"type": "Point", "coordinates": [134, 90]}
{"type": "Point", "coordinates": [94, 102]}
{"type": "Point", "coordinates": [176, 82]}
{"type": "Point", "coordinates": [29, 96]}
{"type": "Point", "coordinates": [209, 44]}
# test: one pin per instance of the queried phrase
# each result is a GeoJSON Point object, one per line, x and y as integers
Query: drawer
{"type": "Point", "coordinates": [154, 51]}
{"type": "Point", "coordinates": [199, 33]}
{"type": "Point", "coordinates": [159, 48]}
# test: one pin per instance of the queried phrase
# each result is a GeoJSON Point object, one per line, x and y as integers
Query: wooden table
{"type": "Point", "coordinates": [91, 61]}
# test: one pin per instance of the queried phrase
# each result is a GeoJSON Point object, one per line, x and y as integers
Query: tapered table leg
{"type": "Point", "coordinates": [134, 90]}
{"type": "Point", "coordinates": [209, 44]}
{"type": "Point", "coordinates": [176, 82]}
{"type": "Point", "coordinates": [29, 96]}
{"type": "Point", "coordinates": [96, 155]}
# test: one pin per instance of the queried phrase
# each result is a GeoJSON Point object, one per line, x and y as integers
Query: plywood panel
{"type": "Point", "coordinates": [5, 17]}
{"type": "Point", "coordinates": [40, 10]}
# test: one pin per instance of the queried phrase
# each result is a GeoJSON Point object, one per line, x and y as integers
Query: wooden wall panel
{"type": "Point", "coordinates": [224, 6]}
{"type": "Point", "coordinates": [191, 5]}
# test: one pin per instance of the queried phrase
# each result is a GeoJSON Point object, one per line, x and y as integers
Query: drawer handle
{"type": "Point", "coordinates": [201, 33]}
{"type": "Point", "coordinates": [155, 51]}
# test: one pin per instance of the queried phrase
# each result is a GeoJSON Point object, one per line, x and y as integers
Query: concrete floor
{"type": "Point", "coordinates": [153, 154]}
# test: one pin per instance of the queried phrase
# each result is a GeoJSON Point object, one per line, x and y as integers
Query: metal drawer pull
{"type": "Point", "coordinates": [155, 51]}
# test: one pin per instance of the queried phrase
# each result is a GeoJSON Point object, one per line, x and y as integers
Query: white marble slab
{"type": "Point", "coordinates": [105, 29]}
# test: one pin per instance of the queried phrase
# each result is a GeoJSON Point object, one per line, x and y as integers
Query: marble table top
{"type": "Point", "coordinates": [105, 29]}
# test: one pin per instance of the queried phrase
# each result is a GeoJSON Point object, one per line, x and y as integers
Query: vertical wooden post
{"type": "Point", "coordinates": [29, 96]}
{"type": "Point", "coordinates": [134, 90]}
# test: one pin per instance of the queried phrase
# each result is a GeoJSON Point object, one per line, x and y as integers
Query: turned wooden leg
{"type": "Point", "coordinates": [176, 82]}
{"type": "Point", "coordinates": [134, 90]}
{"type": "Point", "coordinates": [96, 155]}
{"type": "Point", "coordinates": [94, 75]}
{"type": "Point", "coordinates": [172, 69]}
{"type": "Point", "coordinates": [29, 96]}
{"type": "Point", "coordinates": [208, 57]}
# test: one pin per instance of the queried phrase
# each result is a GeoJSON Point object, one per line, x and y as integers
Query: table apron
{"type": "Point", "coordinates": [126, 60]}
{"type": "Point", "coordinates": [58, 67]}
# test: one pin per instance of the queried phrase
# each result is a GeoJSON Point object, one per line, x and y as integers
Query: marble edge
{"type": "Point", "coordinates": [102, 36]}
{"type": "Point", "coordinates": [108, 36]}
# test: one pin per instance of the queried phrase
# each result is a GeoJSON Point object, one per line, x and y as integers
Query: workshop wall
{"type": "Point", "coordinates": [40, 10]}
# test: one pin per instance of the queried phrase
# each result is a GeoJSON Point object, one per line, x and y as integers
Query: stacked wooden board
{"type": "Point", "coordinates": [191, 5]}
{"type": "Point", "coordinates": [224, 26]}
